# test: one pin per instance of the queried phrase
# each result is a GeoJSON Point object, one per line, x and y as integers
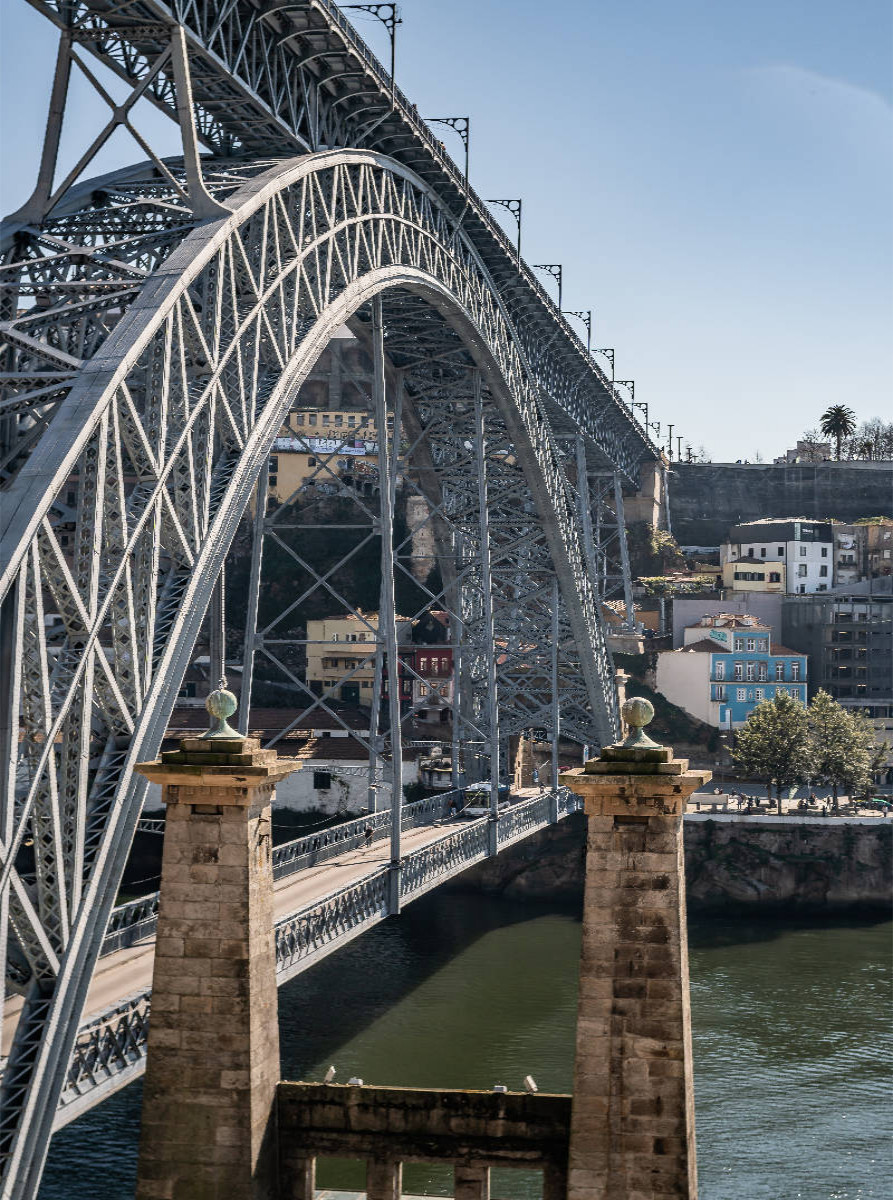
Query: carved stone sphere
{"type": "Point", "coordinates": [637, 712]}
{"type": "Point", "coordinates": [221, 704]}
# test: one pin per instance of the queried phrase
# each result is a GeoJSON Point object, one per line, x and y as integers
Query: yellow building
{"type": "Point", "coordinates": [338, 646]}
{"type": "Point", "coordinates": [753, 575]}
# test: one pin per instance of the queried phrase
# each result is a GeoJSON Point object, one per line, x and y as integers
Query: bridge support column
{"type": "Point", "coordinates": [632, 1122]}
{"type": "Point", "coordinates": [471, 1182]}
{"type": "Point", "coordinates": [384, 1179]}
{"type": "Point", "coordinates": [208, 1120]}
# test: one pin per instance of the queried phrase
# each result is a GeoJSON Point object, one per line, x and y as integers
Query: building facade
{"type": "Point", "coordinates": [801, 551]}
{"type": "Point", "coordinates": [848, 637]}
{"type": "Point", "coordinates": [727, 665]}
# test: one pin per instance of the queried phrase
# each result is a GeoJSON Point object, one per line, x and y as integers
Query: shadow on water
{"type": "Point", "coordinates": [711, 928]}
{"type": "Point", "coordinates": [373, 973]}
{"type": "Point", "coordinates": [466, 989]}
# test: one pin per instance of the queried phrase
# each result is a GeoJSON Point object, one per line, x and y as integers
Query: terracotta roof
{"type": "Point", "coordinates": [703, 646]}
{"type": "Point", "coordinates": [267, 721]}
{"type": "Point", "coordinates": [777, 648]}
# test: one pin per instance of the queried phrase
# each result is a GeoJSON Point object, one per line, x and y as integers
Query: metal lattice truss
{"type": "Point", "coordinates": [155, 327]}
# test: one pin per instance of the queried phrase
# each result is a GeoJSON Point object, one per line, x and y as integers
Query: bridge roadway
{"type": "Point", "coordinates": [318, 908]}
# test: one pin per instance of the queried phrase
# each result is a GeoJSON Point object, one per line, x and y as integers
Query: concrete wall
{"type": "Point", "coordinates": [706, 499]}
{"type": "Point", "coordinates": [779, 865]}
{"type": "Point", "coordinates": [683, 676]}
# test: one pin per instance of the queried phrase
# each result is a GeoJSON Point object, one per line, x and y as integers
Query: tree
{"type": "Point", "coordinates": [873, 440]}
{"type": "Point", "coordinates": [813, 446]}
{"type": "Point", "coordinates": [838, 422]}
{"type": "Point", "coordinates": [774, 743]}
{"type": "Point", "coordinates": [842, 745]}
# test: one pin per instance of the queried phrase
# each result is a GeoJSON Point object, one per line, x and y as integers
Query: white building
{"type": "Point", "coordinates": [805, 548]}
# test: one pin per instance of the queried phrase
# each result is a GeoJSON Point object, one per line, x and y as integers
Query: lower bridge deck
{"type": "Point", "coordinates": [319, 907]}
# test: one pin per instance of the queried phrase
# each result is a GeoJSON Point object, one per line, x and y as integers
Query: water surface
{"type": "Point", "coordinates": [791, 1033]}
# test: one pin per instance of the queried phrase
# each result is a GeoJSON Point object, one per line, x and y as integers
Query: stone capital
{"type": "Point", "coordinates": [216, 771]}
{"type": "Point", "coordinates": [615, 789]}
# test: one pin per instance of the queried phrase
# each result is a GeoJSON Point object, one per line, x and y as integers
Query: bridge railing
{"type": "Point", "coordinates": [110, 1049]}
{"type": "Point", "coordinates": [137, 919]}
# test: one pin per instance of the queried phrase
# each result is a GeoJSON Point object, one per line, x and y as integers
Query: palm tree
{"type": "Point", "coordinates": [838, 422]}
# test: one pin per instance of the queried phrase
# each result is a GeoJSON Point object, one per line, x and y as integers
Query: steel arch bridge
{"type": "Point", "coordinates": [157, 326]}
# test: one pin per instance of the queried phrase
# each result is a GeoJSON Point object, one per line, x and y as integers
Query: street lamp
{"type": "Point", "coordinates": [389, 15]}
{"type": "Point", "coordinates": [608, 353]}
{"type": "Point", "coordinates": [462, 126]}
{"type": "Point", "coordinates": [555, 270]}
{"type": "Point", "coordinates": [514, 207]}
{"type": "Point", "coordinates": [586, 318]}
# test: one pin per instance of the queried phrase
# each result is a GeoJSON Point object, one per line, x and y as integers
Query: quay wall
{"type": "Point", "coordinates": [706, 499]}
{"type": "Point", "coordinates": [797, 864]}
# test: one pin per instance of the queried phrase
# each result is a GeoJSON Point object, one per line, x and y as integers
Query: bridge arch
{"type": "Point", "coordinates": [166, 428]}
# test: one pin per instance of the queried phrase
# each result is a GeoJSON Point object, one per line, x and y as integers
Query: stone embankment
{"type": "Point", "coordinates": [804, 865]}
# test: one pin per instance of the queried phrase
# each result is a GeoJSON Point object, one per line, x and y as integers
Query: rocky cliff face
{"type": "Point", "coordinates": [752, 863]}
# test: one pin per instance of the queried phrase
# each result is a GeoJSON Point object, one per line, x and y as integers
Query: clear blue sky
{"type": "Point", "coordinates": [714, 176]}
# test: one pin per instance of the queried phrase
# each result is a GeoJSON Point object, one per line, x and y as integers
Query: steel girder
{"type": "Point", "coordinates": [149, 462]}
{"type": "Point", "coordinates": [267, 79]}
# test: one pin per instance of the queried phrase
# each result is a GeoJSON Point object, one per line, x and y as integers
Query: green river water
{"type": "Point", "coordinates": [792, 1042]}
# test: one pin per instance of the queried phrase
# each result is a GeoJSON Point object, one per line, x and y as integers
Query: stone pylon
{"type": "Point", "coordinates": [208, 1117]}
{"type": "Point", "coordinates": [633, 1123]}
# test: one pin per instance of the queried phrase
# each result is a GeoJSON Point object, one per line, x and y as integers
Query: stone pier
{"type": "Point", "coordinates": [208, 1117]}
{"type": "Point", "coordinates": [632, 1124]}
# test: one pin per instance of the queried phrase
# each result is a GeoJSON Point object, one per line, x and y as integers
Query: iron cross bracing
{"type": "Point", "coordinates": [157, 324]}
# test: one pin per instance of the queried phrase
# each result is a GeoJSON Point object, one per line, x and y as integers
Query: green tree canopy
{"type": "Point", "coordinates": [842, 745]}
{"type": "Point", "coordinates": [774, 743]}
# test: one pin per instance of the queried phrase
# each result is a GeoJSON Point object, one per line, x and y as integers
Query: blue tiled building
{"type": "Point", "coordinates": [727, 665]}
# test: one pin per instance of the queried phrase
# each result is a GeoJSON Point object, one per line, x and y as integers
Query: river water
{"type": "Point", "coordinates": [792, 1043]}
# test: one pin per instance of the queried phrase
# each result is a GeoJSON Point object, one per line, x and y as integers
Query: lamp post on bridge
{"type": "Point", "coordinates": [514, 207]}
{"type": "Point", "coordinates": [608, 353]}
{"type": "Point", "coordinates": [389, 15]}
{"type": "Point", "coordinates": [556, 271]}
{"type": "Point", "coordinates": [586, 318]}
{"type": "Point", "coordinates": [462, 126]}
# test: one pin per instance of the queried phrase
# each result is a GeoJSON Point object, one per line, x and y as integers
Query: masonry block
{"type": "Point", "coordinates": [208, 1127]}
{"type": "Point", "coordinates": [632, 1121]}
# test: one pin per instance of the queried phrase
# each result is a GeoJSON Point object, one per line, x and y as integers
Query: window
{"type": "Point", "coordinates": [322, 780]}
{"type": "Point", "coordinates": [760, 694]}
{"type": "Point", "coordinates": [741, 693]}
{"type": "Point", "coordinates": [311, 462]}
{"type": "Point", "coordinates": [739, 643]}
{"type": "Point", "coordinates": [751, 643]}
{"type": "Point", "coordinates": [739, 670]}
{"type": "Point", "coordinates": [795, 670]}
{"type": "Point", "coordinates": [775, 577]}
{"type": "Point", "coordinates": [325, 421]}
{"type": "Point", "coordinates": [366, 683]}
{"type": "Point", "coordinates": [802, 570]}
{"type": "Point", "coordinates": [763, 671]}
{"type": "Point", "coordinates": [762, 552]}
{"type": "Point", "coordinates": [824, 551]}
{"type": "Point", "coordinates": [803, 552]}
{"type": "Point", "coordinates": [339, 419]}
{"type": "Point", "coordinates": [750, 552]}
{"type": "Point", "coordinates": [273, 481]}
{"type": "Point", "coordinates": [823, 572]}
{"type": "Point", "coordinates": [751, 671]}
{"type": "Point", "coordinates": [274, 462]}
{"type": "Point", "coordinates": [311, 418]}
{"type": "Point", "coordinates": [780, 551]}
{"type": "Point", "coordinates": [763, 644]}
{"type": "Point", "coordinates": [70, 498]}
{"type": "Point", "coordinates": [423, 663]}
{"type": "Point", "coordinates": [779, 670]}
{"type": "Point", "coordinates": [720, 670]}
{"type": "Point", "coordinates": [802, 589]}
